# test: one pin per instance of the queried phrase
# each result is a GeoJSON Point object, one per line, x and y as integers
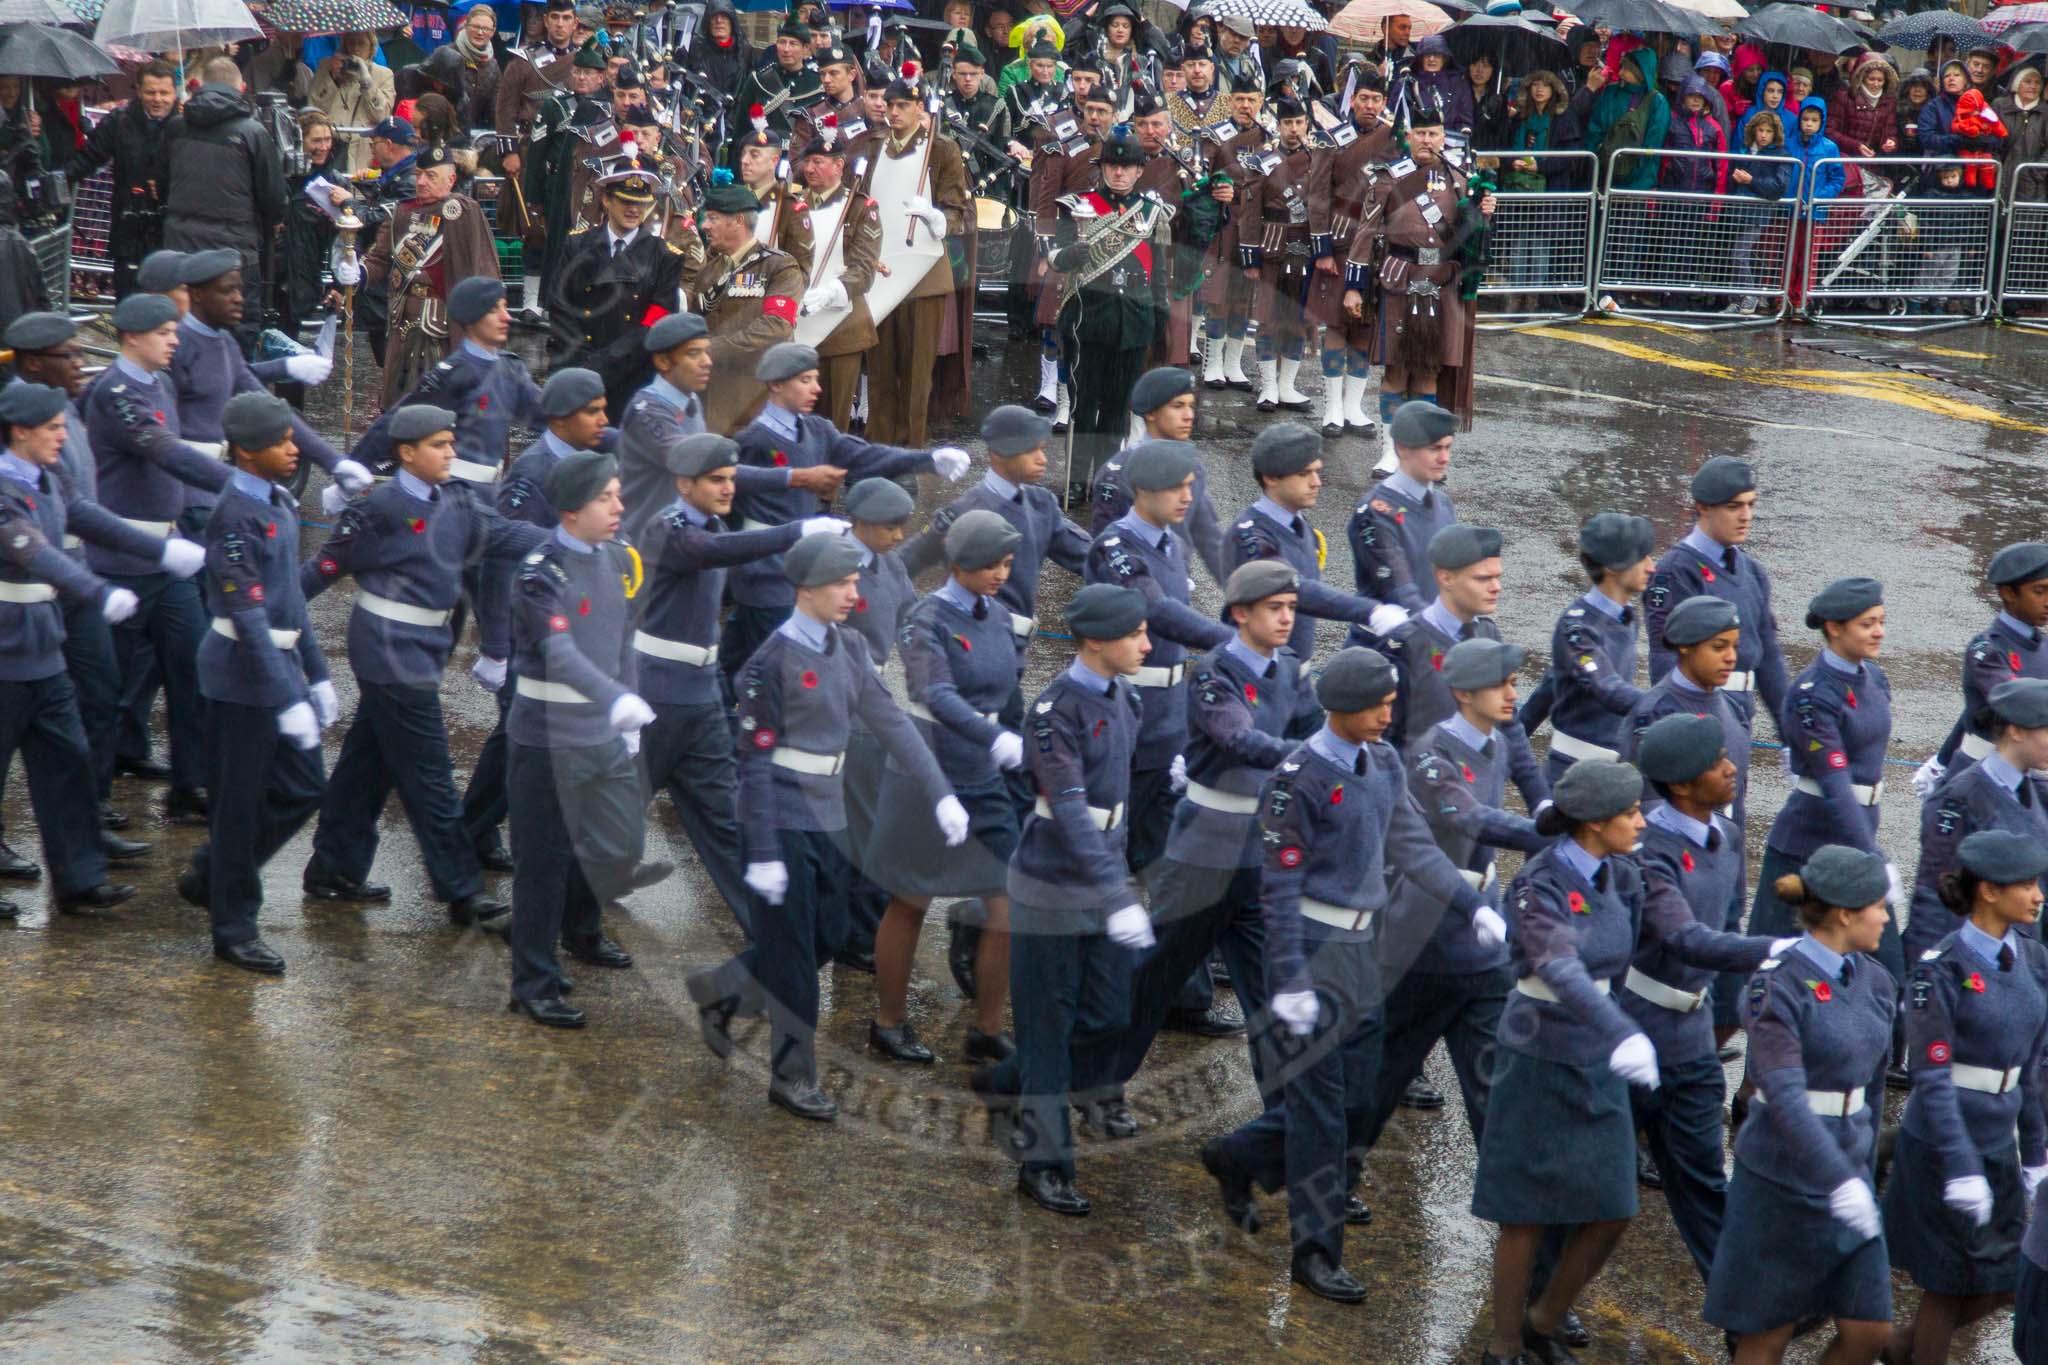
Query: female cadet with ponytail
{"type": "Point", "coordinates": [1974, 1141]}
{"type": "Point", "coordinates": [1801, 1235]}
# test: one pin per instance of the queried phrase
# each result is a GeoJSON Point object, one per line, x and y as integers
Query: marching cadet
{"type": "Point", "coordinates": [1390, 531]}
{"type": "Point", "coordinates": [2010, 647]}
{"type": "Point", "coordinates": [784, 222]}
{"type": "Point", "coordinates": [854, 221]}
{"type": "Point", "coordinates": [577, 815]}
{"type": "Point", "coordinates": [1335, 818]}
{"type": "Point", "coordinates": [407, 545]}
{"type": "Point", "coordinates": [530, 76]}
{"type": "Point", "coordinates": [1110, 248]}
{"type": "Point", "coordinates": [1709, 559]}
{"type": "Point", "coordinates": [1593, 646]}
{"type": "Point", "coordinates": [901, 367]}
{"type": "Point", "coordinates": [1961, 1183]}
{"type": "Point", "coordinates": [38, 582]}
{"type": "Point", "coordinates": [747, 294]}
{"type": "Point", "coordinates": [572, 405]}
{"type": "Point", "coordinates": [1706, 641]}
{"type": "Point", "coordinates": [265, 682]}
{"type": "Point", "coordinates": [561, 131]}
{"type": "Point", "coordinates": [688, 747]}
{"type": "Point", "coordinates": [1338, 182]}
{"type": "Point", "coordinates": [1802, 1236]}
{"type": "Point", "coordinates": [1465, 561]}
{"type": "Point", "coordinates": [1231, 148]}
{"type": "Point", "coordinates": [1273, 251]}
{"type": "Point", "coordinates": [612, 283]}
{"type": "Point", "coordinates": [1062, 163]}
{"type": "Point", "coordinates": [1163, 401]}
{"type": "Point", "coordinates": [799, 696]}
{"type": "Point", "coordinates": [776, 90]}
{"type": "Point", "coordinates": [669, 410]}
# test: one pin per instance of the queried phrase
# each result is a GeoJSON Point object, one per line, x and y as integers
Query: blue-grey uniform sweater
{"type": "Point", "coordinates": [1390, 533]}
{"type": "Point", "coordinates": [1836, 726]}
{"type": "Point", "coordinates": [1155, 563]}
{"type": "Point", "coordinates": [1048, 536]}
{"type": "Point", "coordinates": [1237, 722]}
{"type": "Point", "coordinates": [207, 370]}
{"type": "Point", "coordinates": [251, 580]}
{"type": "Point", "coordinates": [1686, 572]}
{"type": "Point", "coordinates": [32, 522]}
{"type": "Point", "coordinates": [958, 665]}
{"type": "Point", "coordinates": [486, 394]}
{"type": "Point", "coordinates": [144, 468]}
{"type": "Point", "coordinates": [569, 628]}
{"type": "Point", "coordinates": [1711, 882]}
{"type": "Point", "coordinates": [1963, 1010]}
{"type": "Point", "coordinates": [1068, 875]}
{"type": "Point", "coordinates": [685, 586]}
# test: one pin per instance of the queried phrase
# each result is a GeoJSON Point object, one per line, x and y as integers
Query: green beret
{"type": "Point", "coordinates": [1419, 422]}
{"type": "Point", "coordinates": [590, 57]}
{"type": "Point", "coordinates": [570, 389]}
{"type": "Point", "coordinates": [2020, 701]}
{"type": "Point", "coordinates": [1722, 479]}
{"type": "Point", "coordinates": [970, 55]}
{"type": "Point", "coordinates": [1285, 448]}
{"type": "Point", "coordinates": [2001, 857]}
{"type": "Point", "coordinates": [578, 478]}
{"type": "Point", "coordinates": [2015, 564]}
{"type": "Point", "coordinates": [1478, 662]}
{"type": "Point", "coordinates": [1845, 599]}
{"type": "Point", "coordinates": [1103, 611]}
{"type": "Point", "coordinates": [1459, 546]}
{"type": "Point", "coordinates": [1845, 877]}
{"type": "Point", "coordinates": [1681, 747]}
{"type": "Point", "coordinates": [1257, 579]}
{"type": "Point", "coordinates": [141, 312]}
{"type": "Point", "coordinates": [794, 28]}
{"type": "Point", "coordinates": [672, 331]}
{"type": "Point", "coordinates": [30, 405]}
{"type": "Point", "coordinates": [785, 360]}
{"type": "Point", "coordinates": [1358, 679]}
{"type": "Point", "coordinates": [1616, 540]}
{"type": "Point", "coordinates": [255, 420]}
{"type": "Point", "coordinates": [1595, 789]}
{"type": "Point", "coordinates": [1155, 465]}
{"type": "Point", "coordinates": [39, 331]}
{"type": "Point", "coordinates": [823, 557]}
{"type": "Point", "coordinates": [1013, 430]}
{"type": "Point", "coordinates": [877, 502]}
{"type": "Point", "coordinates": [980, 539]}
{"type": "Point", "coordinates": [695, 456]}
{"type": "Point", "coordinates": [471, 299]}
{"type": "Point", "coordinates": [733, 198]}
{"type": "Point", "coordinates": [1156, 388]}
{"type": "Point", "coordinates": [418, 421]}
{"type": "Point", "coordinates": [1700, 618]}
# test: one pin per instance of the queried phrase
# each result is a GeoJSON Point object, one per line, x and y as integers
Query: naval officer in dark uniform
{"type": "Point", "coordinates": [615, 280]}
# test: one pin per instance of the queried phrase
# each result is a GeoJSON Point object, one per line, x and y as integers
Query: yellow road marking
{"type": "Point", "coordinates": [1958, 355]}
{"type": "Point", "coordinates": [1682, 333]}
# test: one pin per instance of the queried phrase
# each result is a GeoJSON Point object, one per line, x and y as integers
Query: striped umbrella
{"type": "Point", "coordinates": [2006, 16]}
{"type": "Point", "coordinates": [1364, 21]}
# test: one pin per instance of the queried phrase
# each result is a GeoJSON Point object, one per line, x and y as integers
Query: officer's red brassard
{"type": "Point", "coordinates": [780, 306]}
{"type": "Point", "coordinates": [655, 313]}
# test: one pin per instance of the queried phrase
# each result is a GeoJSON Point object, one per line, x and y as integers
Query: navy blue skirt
{"type": "Point", "coordinates": [908, 856]}
{"type": "Point", "coordinates": [2030, 1315]}
{"type": "Point", "coordinates": [1783, 1257]}
{"type": "Point", "coordinates": [1559, 1145]}
{"type": "Point", "coordinates": [1943, 1251]}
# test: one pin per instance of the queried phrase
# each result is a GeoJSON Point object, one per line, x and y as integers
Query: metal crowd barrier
{"type": "Point", "coordinates": [1894, 257]}
{"type": "Point", "coordinates": [1542, 267]}
{"type": "Point", "coordinates": [1700, 260]}
{"type": "Point", "coordinates": [2023, 263]}
{"type": "Point", "coordinates": [89, 278]}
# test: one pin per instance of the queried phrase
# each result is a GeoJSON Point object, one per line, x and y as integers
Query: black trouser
{"type": "Point", "coordinates": [1070, 997]}
{"type": "Point", "coordinates": [262, 788]}
{"type": "Point", "coordinates": [580, 825]}
{"type": "Point", "coordinates": [746, 628]}
{"type": "Point", "coordinates": [484, 801]}
{"type": "Point", "coordinates": [1196, 911]}
{"type": "Point", "coordinates": [40, 718]}
{"type": "Point", "coordinates": [865, 900]}
{"type": "Point", "coordinates": [397, 741]}
{"type": "Point", "coordinates": [162, 639]}
{"type": "Point", "coordinates": [96, 678]}
{"type": "Point", "coordinates": [1102, 397]}
{"type": "Point", "coordinates": [1682, 1118]}
{"type": "Point", "coordinates": [689, 750]}
{"type": "Point", "coordinates": [1463, 1009]}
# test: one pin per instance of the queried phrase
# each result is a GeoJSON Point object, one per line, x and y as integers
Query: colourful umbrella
{"type": "Point", "coordinates": [2006, 16]}
{"type": "Point", "coordinates": [1364, 21]}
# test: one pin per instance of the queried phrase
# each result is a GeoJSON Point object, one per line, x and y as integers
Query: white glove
{"type": "Point", "coordinates": [1635, 1060]}
{"type": "Point", "coordinates": [1970, 1196]}
{"type": "Point", "coordinates": [769, 880]}
{"type": "Point", "coordinates": [1852, 1202]}
{"type": "Point", "coordinates": [1008, 751]}
{"type": "Point", "coordinates": [1177, 774]}
{"type": "Point", "coordinates": [1785, 760]}
{"type": "Point", "coordinates": [350, 474]}
{"type": "Point", "coordinates": [951, 462]}
{"type": "Point", "coordinates": [298, 724]}
{"type": "Point", "coordinates": [312, 368]}
{"type": "Point", "coordinates": [1296, 1010]}
{"type": "Point", "coordinates": [1488, 927]}
{"type": "Point", "coordinates": [1782, 946]}
{"type": "Point", "coordinates": [332, 499]}
{"type": "Point", "coordinates": [1928, 776]}
{"type": "Point", "coordinates": [2031, 1177]}
{"type": "Point", "coordinates": [830, 526]}
{"type": "Point", "coordinates": [120, 605]}
{"type": "Point", "coordinates": [212, 450]}
{"type": "Point", "coordinates": [826, 297]}
{"type": "Point", "coordinates": [630, 713]}
{"type": "Point", "coordinates": [347, 271]}
{"type": "Point", "coordinates": [923, 210]}
{"type": "Point", "coordinates": [1385, 617]}
{"type": "Point", "coordinates": [326, 705]}
{"type": "Point", "coordinates": [952, 818]}
{"type": "Point", "coordinates": [631, 739]}
{"type": "Point", "coordinates": [1131, 927]}
{"type": "Point", "coordinates": [489, 673]}
{"type": "Point", "coordinates": [182, 558]}
{"type": "Point", "coordinates": [1895, 894]}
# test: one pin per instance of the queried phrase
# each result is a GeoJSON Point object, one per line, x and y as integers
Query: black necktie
{"type": "Point", "coordinates": [1848, 970]}
{"type": "Point", "coordinates": [981, 609]}
{"type": "Point", "coordinates": [1600, 878]}
{"type": "Point", "coordinates": [1428, 499]}
{"type": "Point", "coordinates": [1628, 616]}
{"type": "Point", "coordinates": [831, 639]}
{"type": "Point", "coordinates": [1713, 838]}
{"type": "Point", "coordinates": [1465, 631]}
{"type": "Point", "coordinates": [1018, 497]}
{"type": "Point", "coordinates": [1728, 559]}
{"type": "Point", "coordinates": [1109, 692]}
{"type": "Point", "coordinates": [2005, 957]}
{"type": "Point", "coordinates": [1272, 668]}
{"type": "Point", "coordinates": [1297, 527]}
{"type": "Point", "coordinates": [1358, 765]}
{"type": "Point", "coordinates": [618, 245]}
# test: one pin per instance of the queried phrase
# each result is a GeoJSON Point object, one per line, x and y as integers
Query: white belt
{"type": "Point", "coordinates": [283, 639]}
{"type": "Point", "coordinates": [1230, 803]}
{"type": "Point", "coordinates": [1336, 916]}
{"type": "Point", "coordinates": [1579, 750]}
{"type": "Point", "coordinates": [1834, 1104]}
{"type": "Point", "coordinates": [536, 689]}
{"type": "Point", "coordinates": [71, 542]}
{"type": "Point", "coordinates": [403, 612]}
{"type": "Point", "coordinates": [1022, 626]}
{"type": "Point", "coordinates": [1537, 989]}
{"type": "Point", "coordinates": [1989, 1080]}
{"type": "Point", "coordinates": [1739, 681]}
{"type": "Point", "coordinates": [804, 761]}
{"type": "Point", "coordinates": [1670, 997]}
{"type": "Point", "coordinates": [1102, 819]}
{"type": "Point", "coordinates": [474, 472]}
{"type": "Point", "coordinates": [154, 528]}
{"type": "Point", "coordinates": [27, 592]}
{"type": "Point", "coordinates": [923, 712]}
{"type": "Point", "coordinates": [1865, 796]}
{"type": "Point", "coordinates": [1975, 747]}
{"type": "Point", "coordinates": [1151, 676]}
{"type": "Point", "coordinates": [700, 655]}
{"type": "Point", "coordinates": [1479, 881]}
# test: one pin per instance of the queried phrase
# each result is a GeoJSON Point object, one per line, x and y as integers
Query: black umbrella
{"type": "Point", "coordinates": [40, 50]}
{"type": "Point", "coordinates": [1640, 16]}
{"type": "Point", "coordinates": [1920, 32]}
{"type": "Point", "coordinates": [1512, 43]}
{"type": "Point", "coordinates": [1800, 27]}
{"type": "Point", "coordinates": [2026, 38]}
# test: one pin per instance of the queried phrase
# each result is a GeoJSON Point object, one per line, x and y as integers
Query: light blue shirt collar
{"type": "Point", "coordinates": [1277, 513]}
{"type": "Point", "coordinates": [1664, 817]}
{"type": "Point", "coordinates": [1000, 486]}
{"type": "Point", "coordinates": [690, 511]}
{"type": "Point", "coordinates": [806, 630]}
{"type": "Point", "coordinates": [1088, 677]}
{"type": "Point", "coordinates": [1840, 664]}
{"type": "Point", "coordinates": [415, 485]}
{"type": "Point", "coordinates": [1574, 856]}
{"type": "Point", "coordinates": [569, 542]}
{"type": "Point", "coordinates": [779, 420]}
{"type": "Point", "coordinates": [951, 591]}
{"type": "Point", "coordinates": [2000, 771]}
{"type": "Point", "coordinates": [249, 485]}
{"type": "Point", "coordinates": [1982, 944]}
{"type": "Point", "coordinates": [1443, 618]}
{"type": "Point", "coordinates": [1251, 658]}
{"type": "Point", "coordinates": [1332, 746]}
{"type": "Point", "coordinates": [673, 396]}
{"type": "Point", "coordinates": [1822, 956]}
{"type": "Point", "coordinates": [1681, 683]}
{"type": "Point", "coordinates": [192, 320]}
{"type": "Point", "coordinates": [20, 470]}
{"type": "Point", "coordinates": [1704, 545]}
{"type": "Point", "coordinates": [1603, 604]}
{"type": "Point", "coordinates": [133, 370]}
{"type": "Point", "coordinates": [556, 446]}
{"type": "Point", "coordinates": [479, 350]}
{"type": "Point", "coordinates": [1466, 733]}
{"type": "Point", "coordinates": [2018, 627]}
{"type": "Point", "coordinates": [1131, 524]}
{"type": "Point", "coordinates": [1407, 487]}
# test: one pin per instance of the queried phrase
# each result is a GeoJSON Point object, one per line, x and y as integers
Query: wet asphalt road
{"type": "Point", "coordinates": [371, 1159]}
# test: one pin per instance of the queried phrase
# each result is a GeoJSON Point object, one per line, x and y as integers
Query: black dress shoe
{"type": "Point", "coordinates": [1324, 1278]}
{"type": "Point", "coordinates": [989, 1047]}
{"type": "Point", "coordinates": [1239, 1204]}
{"type": "Point", "coordinates": [1208, 1023]}
{"type": "Point", "coordinates": [111, 818]}
{"type": "Point", "coordinates": [650, 874]}
{"type": "Point", "coordinates": [8, 909]}
{"type": "Point", "coordinates": [16, 868]}
{"type": "Point", "coordinates": [804, 1099]}
{"type": "Point", "coordinates": [105, 896]}
{"type": "Point", "coordinates": [1420, 1094]}
{"type": "Point", "coordinates": [898, 1044]}
{"type": "Point", "coordinates": [119, 850]}
{"type": "Point", "coordinates": [551, 1010]}
{"type": "Point", "coordinates": [253, 956]}
{"type": "Point", "coordinates": [1051, 1190]}
{"type": "Point", "coordinates": [599, 952]}
{"type": "Point", "coordinates": [1546, 1350]}
{"type": "Point", "coordinates": [323, 885]}
{"type": "Point", "coordinates": [494, 858]}
{"type": "Point", "coordinates": [481, 912]}
{"type": "Point", "coordinates": [714, 1012]}
{"type": "Point", "coordinates": [1572, 1332]}
{"type": "Point", "coordinates": [1356, 1212]}
{"type": "Point", "coordinates": [860, 959]}
{"type": "Point", "coordinates": [1647, 1174]}
{"type": "Point", "coordinates": [192, 888]}
{"type": "Point", "coordinates": [963, 941]}
{"type": "Point", "coordinates": [186, 805]}
{"type": "Point", "coordinates": [148, 769]}
{"type": "Point", "coordinates": [1111, 1118]}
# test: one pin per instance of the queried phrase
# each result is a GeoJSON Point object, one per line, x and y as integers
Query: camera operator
{"type": "Point", "coordinates": [355, 92]}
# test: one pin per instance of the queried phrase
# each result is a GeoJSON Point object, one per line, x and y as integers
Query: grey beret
{"type": "Point", "coordinates": [823, 557]}
{"type": "Point", "coordinates": [1013, 430]}
{"type": "Point", "coordinates": [2001, 857]}
{"type": "Point", "coordinates": [1154, 465]}
{"type": "Point", "coordinates": [697, 455]}
{"type": "Point", "coordinates": [201, 266]}
{"type": "Point", "coordinates": [2013, 565]}
{"type": "Point", "coordinates": [877, 500]}
{"type": "Point", "coordinates": [1476, 663]}
{"type": "Point", "coordinates": [29, 405]}
{"type": "Point", "coordinates": [1681, 747]}
{"type": "Point", "coordinates": [1845, 599]}
{"type": "Point", "coordinates": [1700, 618]}
{"type": "Point", "coordinates": [578, 478]}
{"type": "Point", "coordinates": [1356, 680]}
{"type": "Point", "coordinates": [980, 539]}
{"type": "Point", "coordinates": [474, 297]}
{"type": "Point", "coordinates": [1595, 789]}
{"type": "Point", "coordinates": [1285, 448]}
{"type": "Point", "coordinates": [1156, 388]}
{"type": "Point", "coordinates": [1722, 479]}
{"type": "Point", "coordinates": [672, 331]}
{"type": "Point", "coordinates": [39, 331]}
{"type": "Point", "coordinates": [784, 360]}
{"type": "Point", "coordinates": [1257, 579]}
{"type": "Point", "coordinates": [160, 271]}
{"type": "Point", "coordinates": [418, 421]}
{"type": "Point", "coordinates": [255, 420]}
{"type": "Point", "coordinates": [1616, 540]}
{"type": "Point", "coordinates": [1418, 423]}
{"type": "Point", "coordinates": [1459, 546]}
{"type": "Point", "coordinates": [1846, 877]}
{"type": "Point", "coordinates": [1103, 611]}
{"type": "Point", "coordinates": [570, 389]}
{"type": "Point", "coordinates": [141, 312]}
{"type": "Point", "coordinates": [2021, 701]}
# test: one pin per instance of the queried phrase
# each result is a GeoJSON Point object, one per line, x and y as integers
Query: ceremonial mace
{"type": "Point", "coordinates": [346, 227]}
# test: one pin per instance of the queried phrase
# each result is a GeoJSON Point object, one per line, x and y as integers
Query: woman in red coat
{"type": "Point", "coordinates": [1863, 116]}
